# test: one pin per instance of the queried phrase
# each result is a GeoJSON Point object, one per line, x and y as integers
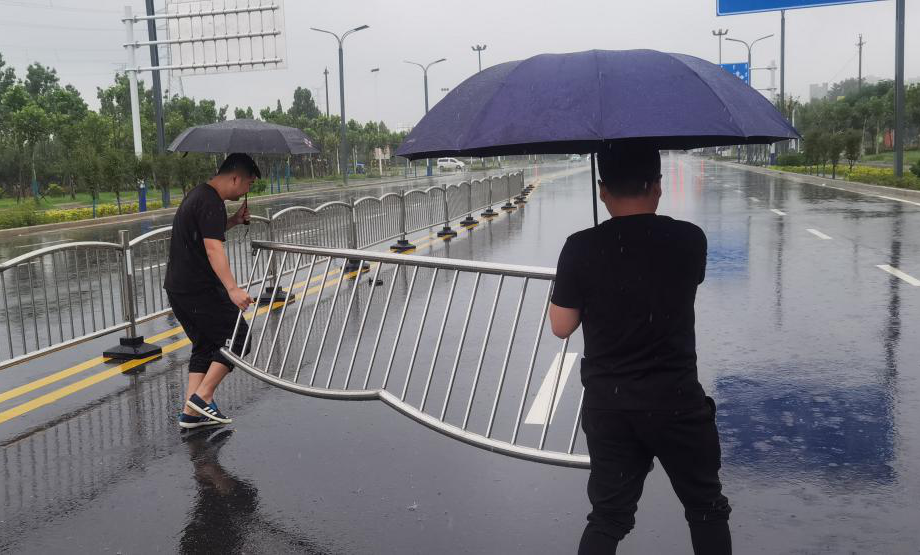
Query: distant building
{"type": "Point", "coordinates": [816, 91]}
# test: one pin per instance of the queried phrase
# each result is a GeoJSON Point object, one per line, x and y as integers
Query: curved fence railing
{"type": "Point", "coordinates": [459, 346]}
{"type": "Point", "coordinates": [69, 293]}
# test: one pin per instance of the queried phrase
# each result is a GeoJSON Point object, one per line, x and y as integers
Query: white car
{"type": "Point", "coordinates": [450, 164]}
{"type": "Point", "coordinates": [575, 158]}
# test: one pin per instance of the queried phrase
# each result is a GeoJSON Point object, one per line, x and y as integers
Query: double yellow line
{"type": "Point", "coordinates": [89, 381]}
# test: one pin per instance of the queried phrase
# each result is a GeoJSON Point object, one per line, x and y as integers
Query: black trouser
{"type": "Point", "coordinates": [622, 445]}
{"type": "Point", "coordinates": [208, 318]}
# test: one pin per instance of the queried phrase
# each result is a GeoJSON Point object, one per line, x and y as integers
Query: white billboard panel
{"type": "Point", "coordinates": [220, 36]}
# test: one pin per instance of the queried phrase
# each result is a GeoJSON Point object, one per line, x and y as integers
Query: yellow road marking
{"type": "Point", "coordinates": [121, 368]}
{"type": "Point", "coordinates": [62, 392]}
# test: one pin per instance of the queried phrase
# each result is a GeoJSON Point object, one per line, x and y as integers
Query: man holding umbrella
{"type": "Point", "coordinates": [631, 282]}
{"type": "Point", "coordinates": [202, 291]}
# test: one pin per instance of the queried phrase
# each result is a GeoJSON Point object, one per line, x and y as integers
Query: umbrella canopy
{"type": "Point", "coordinates": [572, 103]}
{"type": "Point", "coordinates": [243, 135]}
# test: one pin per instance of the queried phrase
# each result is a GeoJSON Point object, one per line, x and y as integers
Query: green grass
{"type": "Point", "coordinates": [910, 157]}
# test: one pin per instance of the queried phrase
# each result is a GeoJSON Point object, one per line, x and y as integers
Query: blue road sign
{"type": "Point", "coordinates": [739, 70]}
{"type": "Point", "coordinates": [732, 7]}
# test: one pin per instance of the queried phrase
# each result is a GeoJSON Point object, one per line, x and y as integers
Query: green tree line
{"type": "Point", "coordinates": [51, 142]}
{"type": "Point", "coordinates": [851, 122]}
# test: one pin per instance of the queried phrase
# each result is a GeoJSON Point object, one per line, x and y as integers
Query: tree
{"type": "Point", "coordinates": [852, 146]}
{"type": "Point", "coordinates": [7, 76]}
{"type": "Point", "coordinates": [40, 80]}
{"type": "Point", "coordinates": [239, 113]}
{"type": "Point", "coordinates": [813, 146]}
{"type": "Point", "coordinates": [303, 106]}
{"type": "Point", "coordinates": [834, 146]}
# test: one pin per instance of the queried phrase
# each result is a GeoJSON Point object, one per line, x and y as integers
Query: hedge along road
{"type": "Point", "coordinates": [22, 240]}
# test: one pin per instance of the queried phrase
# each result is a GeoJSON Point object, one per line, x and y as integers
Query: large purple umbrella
{"type": "Point", "coordinates": [572, 103]}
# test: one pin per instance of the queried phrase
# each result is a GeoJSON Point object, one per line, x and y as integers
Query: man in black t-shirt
{"type": "Point", "coordinates": [202, 291]}
{"type": "Point", "coordinates": [631, 282]}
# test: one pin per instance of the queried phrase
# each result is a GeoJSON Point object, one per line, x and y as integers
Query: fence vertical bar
{"type": "Point", "coordinates": [446, 232]}
{"type": "Point", "coordinates": [504, 370]}
{"type": "Point", "coordinates": [132, 346]}
{"type": "Point", "coordinates": [552, 398]}
{"type": "Point", "coordinates": [367, 309]}
{"type": "Point", "coordinates": [482, 353]}
{"type": "Point", "coordinates": [437, 347]}
{"type": "Point", "coordinates": [488, 212]}
{"type": "Point", "coordinates": [45, 295]}
{"type": "Point", "coordinates": [319, 298]}
{"type": "Point", "coordinates": [533, 360]}
{"type": "Point", "coordinates": [469, 220]}
{"type": "Point", "coordinates": [402, 245]}
{"type": "Point", "coordinates": [383, 319]}
{"type": "Point", "coordinates": [402, 320]}
{"type": "Point", "coordinates": [34, 308]}
{"type": "Point", "coordinates": [6, 311]}
{"type": "Point", "coordinates": [57, 296]}
{"type": "Point", "coordinates": [581, 400]}
{"type": "Point", "coordinates": [418, 337]}
{"type": "Point", "coordinates": [466, 325]}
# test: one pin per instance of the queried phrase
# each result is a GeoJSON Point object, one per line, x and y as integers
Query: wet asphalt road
{"type": "Point", "coordinates": [807, 346]}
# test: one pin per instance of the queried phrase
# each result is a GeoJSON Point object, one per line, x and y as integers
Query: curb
{"type": "Point", "coordinates": [908, 195]}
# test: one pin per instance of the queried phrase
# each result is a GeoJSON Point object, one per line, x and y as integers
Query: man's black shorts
{"type": "Point", "coordinates": [208, 319]}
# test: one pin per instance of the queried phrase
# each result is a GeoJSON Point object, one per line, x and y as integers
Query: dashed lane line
{"type": "Point", "coordinates": [777, 212]}
{"type": "Point", "coordinates": [539, 411]}
{"type": "Point", "coordinates": [898, 273]}
{"type": "Point", "coordinates": [818, 234]}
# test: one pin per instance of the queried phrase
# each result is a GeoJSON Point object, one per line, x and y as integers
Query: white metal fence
{"type": "Point", "coordinates": [73, 292]}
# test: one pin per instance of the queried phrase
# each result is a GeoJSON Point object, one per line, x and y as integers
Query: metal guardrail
{"type": "Point", "coordinates": [70, 293]}
{"type": "Point", "coordinates": [462, 361]}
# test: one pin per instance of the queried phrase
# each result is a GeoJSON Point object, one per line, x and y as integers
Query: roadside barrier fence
{"type": "Point", "coordinates": [66, 294]}
{"type": "Point", "coordinates": [462, 347]}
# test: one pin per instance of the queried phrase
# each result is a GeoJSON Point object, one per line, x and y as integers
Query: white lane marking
{"type": "Point", "coordinates": [898, 273]}
{"type": "Point", "coordinates": [899, 200]}
{"type": "Point", "coordinates": [538, 410]}
{"type": "Point", "coordinates": [755, 199]}
{"type": "Point", "coordinates": [42, 244]}
{"type": "Point", "coordinates": [818, 234]}
{"type": "Point", "coordinates": [777, 212]}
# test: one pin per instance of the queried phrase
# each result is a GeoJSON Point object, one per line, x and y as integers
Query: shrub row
{"type": "Point", "coordinates": [865, 174]}
{"type": "Point", "coordinates": [26, 215]}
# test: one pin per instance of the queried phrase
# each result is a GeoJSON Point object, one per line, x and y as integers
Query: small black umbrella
{"type": "Point", "coordinates": [243, 135]}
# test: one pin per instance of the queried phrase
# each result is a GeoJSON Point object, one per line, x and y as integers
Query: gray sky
{"type": "Point", "coordinates": [82, 38]}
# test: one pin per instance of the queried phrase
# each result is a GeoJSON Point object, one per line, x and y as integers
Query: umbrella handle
{"type": "Point", "coordinates": [246, 202]}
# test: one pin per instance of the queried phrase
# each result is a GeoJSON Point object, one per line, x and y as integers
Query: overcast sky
{"type": "Point", "coordinates": [82, 38]}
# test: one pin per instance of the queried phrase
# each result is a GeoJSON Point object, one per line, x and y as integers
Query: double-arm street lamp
{"type": "Point", "coordinates": [478, 50]}
{"type": "Point", "coordinates": [343, 146]}
{"type": "Point", "coordinates": [425, 74]}
{"type": "Point", "coordinates": [749, 47]}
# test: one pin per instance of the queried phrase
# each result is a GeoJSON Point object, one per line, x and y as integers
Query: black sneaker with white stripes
{"type": "Point", "coordinates": [199, 405]}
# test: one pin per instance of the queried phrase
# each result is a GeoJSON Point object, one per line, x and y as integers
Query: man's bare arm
{"type": "Point", "coordinates": [221, 266]}
{"type": "Point", "coordinates": [564, 321]}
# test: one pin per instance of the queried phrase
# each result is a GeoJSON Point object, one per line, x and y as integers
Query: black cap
{"type": "Point", "coordinates": [239, 162]}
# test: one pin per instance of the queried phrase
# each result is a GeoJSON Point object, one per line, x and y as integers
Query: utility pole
{"type": "Point", "coordinates": [859, 45]}
{"type": "Point", "coordinates": [899, 89]}
{"type": "Point", "coordinates": [343, 146]}
{"type": "Point", "coordinates": [782, 62]}
{"type": "Point", "coordinates": [376, 71]}
{"type": "Point", "coordinates": [478, 50]}
{"type": "Point", "coordinates": [720, 33]}
{"type": "Point", "coordinates": [326, 76]}
{"type": "Point", "coordinates": [157, 90]}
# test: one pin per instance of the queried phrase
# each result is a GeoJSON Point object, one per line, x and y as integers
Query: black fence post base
{"type": "Point", "coordinates": [489, 213]}
{"type": "Point", "coordinates": [402, 246]}
{"type": "Point", "coordinates": [469, 221]}
{"type": "Point", "coordinates": [352, 265]}
{"type": "Point", "coordinates": [279, 296]}
{"type": "Point", "coordinates": [447, 233]}
{"type": "Point", "coordinates": [132, 348]}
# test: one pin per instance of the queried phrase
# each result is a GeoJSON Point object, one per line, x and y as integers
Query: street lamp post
{"type": "Point", "coordinates": [343, 146]}
{"type": "Point", "coordinates": [425, 74]}
{"type": "Point", "coordinates": [749, 47]}
{"type": "Point", "coordinates": [720, 33]}
{"type": "Point", "coordinates": [478, 50]}
{"type": "Point", "coordinates": [376, 71]}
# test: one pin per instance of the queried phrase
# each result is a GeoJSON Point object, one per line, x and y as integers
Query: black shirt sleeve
{"type": "Point", "coordinates": [212, 218]}
{"type": "Point", "coordinates": [567, 291]}
{"type": "Point", "coordinates": [704, 247]}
